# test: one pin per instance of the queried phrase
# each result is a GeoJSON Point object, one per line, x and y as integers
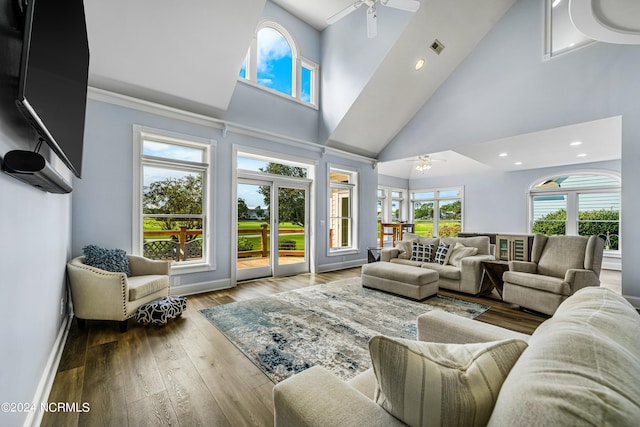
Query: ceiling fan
{"type": "Point", "coordinates": [372, 16]}
{"type": "Point", "coordinates": [424, 162]}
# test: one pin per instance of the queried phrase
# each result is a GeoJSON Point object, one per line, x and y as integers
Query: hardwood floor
{"type": "Point", "coordinates": [188, 373]}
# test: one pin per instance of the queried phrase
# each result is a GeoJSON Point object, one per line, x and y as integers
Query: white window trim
{"type": "Point", "coordinates": [436, 205]}
{"type": "Point", "coordinates": [571, 224]}
{"type": "Point", "coordinates": [139, 134]}
{"type": "Point", "coordinates": [355, 204]}
{"type": "Point", "coordinates": [297, 62]}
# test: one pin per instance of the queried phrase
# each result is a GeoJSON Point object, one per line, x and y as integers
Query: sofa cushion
{"type": "Point", "coordinates": [434, 384]}
{"type": "Point", "coordinates": [561, 253]}
{"type": "Point", "coordinates": [461, 251]}
{"type": "Point", "coordinates": [446, 271]}
{"type": "Point", "coordinates": [442, 253]}
{"type": "Point", "coordinates": [141, 286]}
{"type": "Point", "coordinates": [582, 367]}
{"type": "Point", "coordinates": [422, 253]}
{"type": "Point", "coordinates": [538, 281]}
{"type": "Point", "coordinates": [481, 242]}
{"type": "Point", "coordinates": [406, 262]}
{"type": "Point", "coordinates": [113, 260]}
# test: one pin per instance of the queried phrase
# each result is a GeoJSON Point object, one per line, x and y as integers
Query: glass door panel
{"type": "Point", "coordinates": [254, 230]}
{"type": "Point", "coordinates": [291, 233]}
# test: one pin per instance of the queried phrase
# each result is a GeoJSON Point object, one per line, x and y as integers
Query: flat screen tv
{"type": "Point", "coordinates": [52, 91]}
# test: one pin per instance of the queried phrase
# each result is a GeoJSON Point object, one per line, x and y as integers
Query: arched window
{"type": "Point", "coordinates": [578, 204]}
{"type": "Point", "coordinates": [274, 62]}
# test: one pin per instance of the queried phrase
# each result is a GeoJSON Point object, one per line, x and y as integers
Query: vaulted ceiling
{"type": "Point", "coordinates": [187, 55]}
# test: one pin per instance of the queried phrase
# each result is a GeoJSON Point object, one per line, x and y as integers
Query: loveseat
{"type": "Point", "coordinates": [462, 274]}
{"type": "Point", "coordinates": [580, 367]}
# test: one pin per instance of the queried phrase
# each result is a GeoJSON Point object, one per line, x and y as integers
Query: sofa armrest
{"type": "Point", "coordinates": [386, 254]}
{"type": "Point", "coordinates": [579, 278]}
{"type": "Point", "coordinates": [471, 273]}
{"type": "Point", "coordinates": [141, 266]}
{"type": "Point", "coordinates": [97, 294]}
{"type": "Point", "coordinates": [523, 266]}
{"type": "Point", "coordinates": [442, 327]}
{"type": "Point", "coordinates": [315, 397]}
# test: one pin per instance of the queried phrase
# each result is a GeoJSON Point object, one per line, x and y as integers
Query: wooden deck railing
{"type": "Point", "coordinates": [185, 236]}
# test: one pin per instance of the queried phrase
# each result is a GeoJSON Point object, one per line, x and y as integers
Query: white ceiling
{"type": "Point", "coordinates": [601, 140]}
{"type": "Point", "coordinates": [165, 51]}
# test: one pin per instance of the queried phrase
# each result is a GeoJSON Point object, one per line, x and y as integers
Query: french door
{"type": "Point", "coordinates": [273, 237]}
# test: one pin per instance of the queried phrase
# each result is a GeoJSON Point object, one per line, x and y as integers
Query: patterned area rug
{"type": "Point", "coordinates": [328, 325]}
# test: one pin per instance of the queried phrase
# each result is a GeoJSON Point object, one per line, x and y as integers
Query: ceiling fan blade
{"type": "Point", "coordinates": [372, 22]}
{"type": "Point", "coordinates": [344, 12]}
{"type": "Point", "coordinates": [408, 5]}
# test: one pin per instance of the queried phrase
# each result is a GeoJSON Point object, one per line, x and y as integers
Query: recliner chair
{"type": "Point", "coordinates": [559, 266]}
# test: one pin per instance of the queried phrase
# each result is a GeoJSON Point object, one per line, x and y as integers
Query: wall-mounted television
{"type": "Point", "coordinates": [54, 69]}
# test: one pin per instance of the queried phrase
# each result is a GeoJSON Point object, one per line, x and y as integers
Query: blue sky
{"type": "Point", "coordinates": [275, 64]}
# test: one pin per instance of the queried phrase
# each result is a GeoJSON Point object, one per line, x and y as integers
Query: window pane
{"type": "Point", "coordinates": [264, 165]}
{"type": "Point", "coordinates": [274, 61]}
{"type": "Point", "coordinates": [550, 214]}
{"type": "Point", "coordinates": [396, 194]}
{"type": "Point", "coordinates": [172, 151]}
{"type": "Point", "coordinates": [243, 70]}
{"type": "Point", "coordinates": [396, 207]}
{"type": "Point", "coordinates": [305, 84]}
{"type": "Point", "coordinates": [340, 221]}
{"type": "Point", "coordinates": [450, 218]}
{"type": "Point", "coordinates": [171, 191]}
{"type": "Point", "coordinates": [579, 181]}
{"type": "Point", "coordinates": [423, 218]}
{"type": "Point", "coordinates": [449, 193]}
{"type": "Point", "coordinates": [427, 195]}
{"type": "Point", "coordinates": [599, 214]}
{"type": "Point", "coordinates": [173, 239]}
{"type": "Point", "coordinates": [339, 177]}
{"type": "Point", "coordinates": [380, 193]}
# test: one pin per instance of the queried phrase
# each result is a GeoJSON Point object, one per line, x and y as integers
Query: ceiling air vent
{"type": "Point", "coordinates": [437, 46]}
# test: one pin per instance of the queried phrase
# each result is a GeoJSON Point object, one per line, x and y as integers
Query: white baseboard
{"type": "Point", "coordinates": [340, 265]}
{"type": "Point", "coordinates": [198, 288]}
{"type": "Point", "coordinates": [34, 418]}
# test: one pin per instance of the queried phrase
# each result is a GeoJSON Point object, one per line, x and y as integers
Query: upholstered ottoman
{"type": "Point", "coordinates": [406, 280]}
{"type": "Point", "coordinates": [161, 310]}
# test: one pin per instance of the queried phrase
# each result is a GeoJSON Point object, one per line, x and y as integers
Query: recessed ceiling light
{"type": "Point", "coordinates": [420, 64]}
{"type": "Point", "coordinates": [581, 155]}
{"type": "Point", "coordinates": [502, 154]}
{"type": "Point", "coordinates": [517, 163]}
{"type": "Point", "coordinates": [575, 143]}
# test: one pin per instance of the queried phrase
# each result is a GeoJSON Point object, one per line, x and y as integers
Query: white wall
{"type": "Point", "coordinates": [35, 228]}
{"type": "Point", "coordinates": [504, 88]}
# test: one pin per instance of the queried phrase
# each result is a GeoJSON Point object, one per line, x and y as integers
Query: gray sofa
{"type": "Point", "coordinates": [581, 367]}
{"type": "Point", "coordinates": [464, 275]}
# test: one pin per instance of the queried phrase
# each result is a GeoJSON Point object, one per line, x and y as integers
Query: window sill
{"type": "Point", "coordinates": [347, 251]}
{"type": "Point", "coordinates": [275, 92]}
{"type": "Point", "coordinates": [185, 268]}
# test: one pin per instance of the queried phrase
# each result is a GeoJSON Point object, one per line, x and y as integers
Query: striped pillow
{"type": "Point", "coordinates": [433, 384]}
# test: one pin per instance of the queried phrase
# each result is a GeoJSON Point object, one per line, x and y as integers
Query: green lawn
{"type": "Point", "coordinates": [255, 238]}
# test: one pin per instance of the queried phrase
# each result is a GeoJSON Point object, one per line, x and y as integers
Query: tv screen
{"type": "Point", "coordinates": [52, 90]}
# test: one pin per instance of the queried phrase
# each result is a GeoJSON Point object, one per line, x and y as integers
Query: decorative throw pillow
{"type": "Point", "coordinates": [114, 260]}
{"type": "Point", "coordinates": [434, 384]}
{"type": "Point", "coordinates": [442, 254]}
{"type": "Point", "coordinates": [460, 251]}
{"type": "Point", "coordinates": [422, 253]}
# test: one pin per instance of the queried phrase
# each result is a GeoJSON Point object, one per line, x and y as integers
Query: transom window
{"type": "Point", "coordinates": [580, 204]}
{"type": "Point", "coordinates": [171, 194]}
{"type": "Point", "coordinates": [274, 62]}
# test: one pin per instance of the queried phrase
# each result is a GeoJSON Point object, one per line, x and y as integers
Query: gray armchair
{"type": "Point", "coordinates": [560, 265]}
{"type": "Point", "coordinates": [102, 295]}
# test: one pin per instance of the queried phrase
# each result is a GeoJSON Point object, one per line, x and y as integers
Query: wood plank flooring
{"type": "Point", "coordinates": [188, 373]}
